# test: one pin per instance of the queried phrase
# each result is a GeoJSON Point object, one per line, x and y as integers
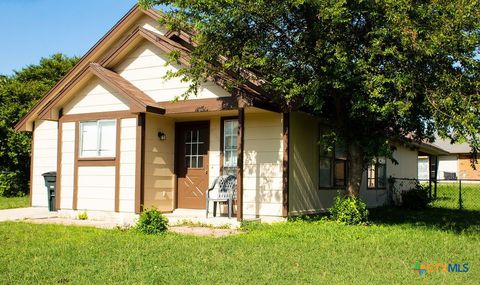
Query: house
{"type": "Point", "coordinates": [454, 163]}
{"type": "Point", "coordinates": [119, 144]}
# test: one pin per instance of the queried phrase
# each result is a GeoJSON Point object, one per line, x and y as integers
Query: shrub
{"type": "Point", "coordinates": [12, 185]}
{"type": "Point", "coordinates": [83, 216]}
{"type": "Point", "coordinates": [152, 221]}
{"type": "Point", "coordinates": [348, 210]}
{"type": "Point", "coordinates": [416, 198]}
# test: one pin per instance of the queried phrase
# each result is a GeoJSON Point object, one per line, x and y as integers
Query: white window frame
{"type": "Point", "coordinates": [377, 170]}
{"type": "Point", "coordinates": [229, 168]}
{"type": "Point", "coordinates": [99, 152]}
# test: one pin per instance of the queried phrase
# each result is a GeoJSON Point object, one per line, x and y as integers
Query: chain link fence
{"type": "Point", "coordinates": [463, 194]}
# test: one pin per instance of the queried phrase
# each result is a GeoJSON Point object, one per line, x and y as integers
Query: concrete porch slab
{"type": "Point", "coordinates": [197, 217]}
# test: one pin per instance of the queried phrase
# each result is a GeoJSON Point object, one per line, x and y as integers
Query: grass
{"type": "Point", "coordinates": [448, 195]}
{"type": "Point", "coordinates": [14, 202]}
{"type": "Point", "coordinates": [288, 253]}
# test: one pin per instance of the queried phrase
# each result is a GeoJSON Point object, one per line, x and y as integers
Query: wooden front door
{"type": "Point", "coordinates": [192, 144]}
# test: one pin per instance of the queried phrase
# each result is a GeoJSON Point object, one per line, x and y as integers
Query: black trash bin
{"type": "Point", "coordinates": [50, 182]}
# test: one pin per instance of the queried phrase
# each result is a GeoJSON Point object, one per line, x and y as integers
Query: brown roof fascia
{"type": "Point", "coordinates": [253, 93]}
{"type": "Point", "coordinates": [200, 105]}
{"type": "Point", "coordinates": [83, 62]}
{"type": "Point", "coordinates": [44, 112]}
{"type": "Point", "coordinates": [139, 101]}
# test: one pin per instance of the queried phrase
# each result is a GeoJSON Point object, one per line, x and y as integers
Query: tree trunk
{"type": "Point", "coordinates": [355, 169]}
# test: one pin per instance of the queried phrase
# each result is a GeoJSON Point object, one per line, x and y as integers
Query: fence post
{"type": "Point", "coordinates": [430, 187]}
{"type": "Point", "coordinates": [460, 194]}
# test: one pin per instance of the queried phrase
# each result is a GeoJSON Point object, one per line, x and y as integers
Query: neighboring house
{"type": "Point", "coordinates": [454, 164]}
{"type": "Point", "coordinates": [119, 144]}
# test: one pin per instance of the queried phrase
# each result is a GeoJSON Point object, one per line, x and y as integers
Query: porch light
{"type": "Point", "coordinates": [162, 136]}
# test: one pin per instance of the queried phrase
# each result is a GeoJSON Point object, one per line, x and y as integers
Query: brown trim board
{"type": "Point", "coordinates": [199, 105]}
{"type": "Point", "coordinates": [32, 146]}
{"type": "Point", "coordinates": [58, 184]}
{"type": "Point", "coordinates": [75, 166]}
{"type": "Point", "coordinates": [117, 164]}
{"type": "Point", "coordinates": [240, 140]}
{"type": "Point", "coordinates": [98, 116]}
{"type": "Point", "coordinates": [285, 178]}
{"type": "Point", "coordinates": [140, 163]}
{"type": "Point", "coordinates": [96, 162]}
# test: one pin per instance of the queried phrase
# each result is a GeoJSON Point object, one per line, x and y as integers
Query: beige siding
{"type": "Point", "coordinates": [263, 157]}
{"type": "Point", "coordinates": [96, 96]}
{"type": "Point", "coordinates": [127, 165]}
{"type": "Point", "coordinates": [44, 159]}
{"type": "Point", "coordinates": [68, 157]}
{"type": "Point", "coordinates": [159, 163]}
{"type": "Point", "coordinates": [96, 188]}
{"type": "Point", "coordinates": [305, 195]}
{"type": "Point", "coordinates": [407, 167]}
{"type": "Point", "coordinates": [145, 68]}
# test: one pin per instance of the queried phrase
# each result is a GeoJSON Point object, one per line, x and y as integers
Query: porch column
{"type": "Point", "coordinates": [285, 179]}
{"type": "Point", "coordinates": [240, 139]}
{"type": "Point", "coordinates": [139, 163]}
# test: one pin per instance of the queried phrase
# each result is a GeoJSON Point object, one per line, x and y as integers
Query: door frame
{"type": "Point", "coordinates": [178, 127]}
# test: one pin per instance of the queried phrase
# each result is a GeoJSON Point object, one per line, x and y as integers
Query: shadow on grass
{"type": "Point", "coordinates": [452, 220]}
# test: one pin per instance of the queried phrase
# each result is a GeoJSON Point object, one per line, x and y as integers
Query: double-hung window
{"type": "Point", "coordinates": [377, 173]}
{"type": "Point", "coordinates": [332, 166]}
{"type": "Point", "coordinates": [230, 128]}
{"type": "Point", "coordinates": [97, 138]}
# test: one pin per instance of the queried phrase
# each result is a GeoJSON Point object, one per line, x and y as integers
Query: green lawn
{"type": "Point", "coordinates": [288, 253]}
{"type": "Point", "coordinates": [14, 202]}
{"type": "Point", "coordinates": [448, 195]}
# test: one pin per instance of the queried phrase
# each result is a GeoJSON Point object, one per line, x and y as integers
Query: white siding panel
{"type": "Point", "coordinates": [127, 165]}
{"type": "Point", "coordinates": [44, 159]}
{"type": "Point", "coordinates": [96, 188]}
{"type": "Point", "coordinates": [68, 149]}
{"type": "Point", "coordinates": [265, 209]}
{"type": "Point", "coordinates": [145, 68]}
{"type": "Point", "coordinates": [148, 23]}
{"type": "Point", "coordinates": [447, 163]}
{"type": "Point", "coordinates": [96, 96]}
{"type": "Point", "coordinates": [214, 150]}
{"type": "Point", "coordinates": [263, 164]}
{"type": "Point", "coordinates": [127, 169]}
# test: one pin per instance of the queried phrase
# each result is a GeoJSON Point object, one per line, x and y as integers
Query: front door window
{"type": "Point", "coordinates": [194, 148]}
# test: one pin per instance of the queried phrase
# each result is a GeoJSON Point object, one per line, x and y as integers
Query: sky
{"type": "Point", "coordinates": [32, 29]}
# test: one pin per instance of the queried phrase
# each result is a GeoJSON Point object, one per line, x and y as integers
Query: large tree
{"type": "Point", "coordinates": [18, 93]}
{"type": "Point", "coordinates": [377, 71]}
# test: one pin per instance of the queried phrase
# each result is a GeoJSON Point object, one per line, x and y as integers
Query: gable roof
{"type": "Point", "coordinates": [93, 55]}
{"type": "Point", "coordinates": [456, 148]}
{"type": "Point", "coordinates": [137, 100]}
{"type": "Point", "coordinates": [102, 55]}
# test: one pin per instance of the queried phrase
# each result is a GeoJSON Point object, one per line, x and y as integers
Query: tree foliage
{"type": "Point", "coordinates": [18, 93]}
{"type": "Point", "coordinates": [376, 71]}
